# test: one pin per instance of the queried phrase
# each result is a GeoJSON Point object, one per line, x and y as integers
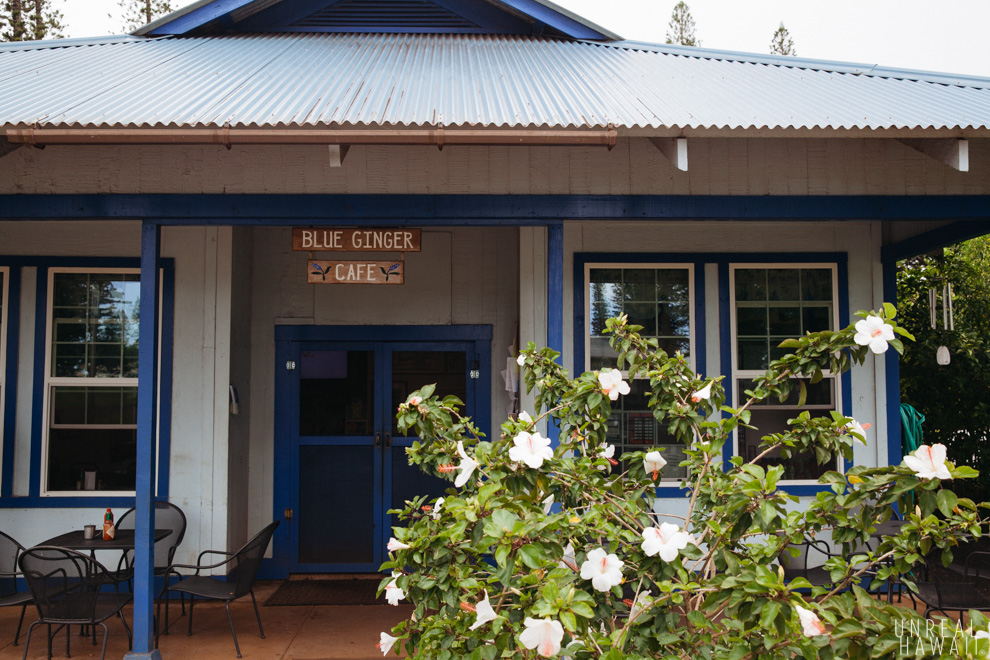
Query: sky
{"type": "Point", "coordinates": [949, 36]}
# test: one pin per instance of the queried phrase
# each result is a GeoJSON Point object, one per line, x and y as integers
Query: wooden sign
{"type": "Point", "coordinates": [355, 272]}
{"type": "Point", "coordinates": [354, 239]}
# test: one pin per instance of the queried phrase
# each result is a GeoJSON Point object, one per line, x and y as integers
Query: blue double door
{"type": "Point", "coordinates": [346, 458]}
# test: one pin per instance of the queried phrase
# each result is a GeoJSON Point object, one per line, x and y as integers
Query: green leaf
{"type": "Point", "coordinates": [802, 394]}
{"type": "Point", "coordinates": [947, 501]}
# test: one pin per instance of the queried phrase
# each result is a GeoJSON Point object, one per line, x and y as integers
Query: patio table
{"type": "Point", "coordinates": [122, 540]}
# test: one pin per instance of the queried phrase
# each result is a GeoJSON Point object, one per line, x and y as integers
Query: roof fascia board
{"type": "Point", "coordinates": [557, 17]}
{"type": "Point", "coordinates": [191, 17]}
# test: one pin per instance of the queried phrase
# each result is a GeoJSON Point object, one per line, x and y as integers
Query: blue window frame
{"type": "Point", "coordinates": [98, 339]}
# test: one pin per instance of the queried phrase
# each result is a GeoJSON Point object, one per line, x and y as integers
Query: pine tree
{"type": "Point", "coordinates": [681, 27]}
{"type": "Point", "coordinates": [782, 44]}
{"type": "Point", "coordinates": [24, 20]}
{"type": "Point", "coordinates": [141, 12]}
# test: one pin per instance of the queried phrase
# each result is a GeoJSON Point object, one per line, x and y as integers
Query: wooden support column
{"type": "Point", "coordinates": [892, 373]}
{"type": "Point", "coordinates": [555, 302]}
{"type": "Point", "coordinates": [147, 414]}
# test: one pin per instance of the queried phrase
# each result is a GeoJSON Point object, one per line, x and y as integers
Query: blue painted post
{"type": "Point", "coordinates": [144, 500]}
{"type": "Point", "coordinates": [892, 373]}
{"type": "Point", "coordinates": [555, 301]}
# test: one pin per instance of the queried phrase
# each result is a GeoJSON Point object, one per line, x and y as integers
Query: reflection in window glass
{"type": "Point", "coordinates": [771, 305]}
{"type": "Point", "coordinates": [95, 325]}
{"type": "Point", "coordinates": [632, 427]}
{"type": "Point", "coordinates": [92, 381]}
{"type": "Point", "coordinates": [659, 299]}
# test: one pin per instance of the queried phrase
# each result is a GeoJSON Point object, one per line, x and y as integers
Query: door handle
{"type": "Point", "coordinates": [378, 439]}
{"type": "Point", "coordinates": [388, 440]}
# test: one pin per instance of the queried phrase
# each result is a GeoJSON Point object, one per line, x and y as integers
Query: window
{"type": "Point", "coordinates": [91, 381]}
{"type": "Point", "coordinates": [659, 298]}
{"type": "Point", "coordinates": [771, 304]}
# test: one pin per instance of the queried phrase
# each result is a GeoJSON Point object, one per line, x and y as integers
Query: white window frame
{"type": "Point", "coordinates": [52, 382]}
{"type": "Point", "coordinates": [738, 375]}
{"type": "Point", "coordinates": [692, 319]}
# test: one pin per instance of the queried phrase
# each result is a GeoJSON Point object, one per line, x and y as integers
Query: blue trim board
{"type": "Point", "coordinates": [725, 350]}
{"type": "Point", "coordinates": [13, 307]}
{"type": "Point", "coordinates": [38, 390]}
{"type": "Point", "coordinates": [197, 17]}
{"type": "Point", "coordinates": [147, 417]}
{"type": "Point", "coordinates": [446, 210]}
{"type": "Point", "coordinates": [934, 239]}
{"type": "Point", "coordinates": [43, 264]}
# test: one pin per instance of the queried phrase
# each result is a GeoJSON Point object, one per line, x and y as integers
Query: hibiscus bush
{"type": "Point", "coordinates": [543, 551]}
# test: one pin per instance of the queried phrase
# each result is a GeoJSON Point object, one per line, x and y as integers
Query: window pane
{"type": "Point", "coordinates": [784, 321]}
{"type": "Point", "coordinates": [783, 284]}
{"type": "Point", "coordinates": [800, 466]}
{"type": "Point", "coordinates": [672, 284]}
{"type": "Point", "coordinates": [659, 299]}
{"type": "Point", "coordinates": [336, 393]}
{"type": "Point", "coordinates": [95, 325]}
{"type": "Point", "coordinates": [93, 429]}
{"type": "Point", "coordinates": [673, 319]}
{"type": "Point", "coordinates": [639, 284]}
{"type": "Point", "coordinates": [816, 284]}
{"type": "Point", "coordinates": [632, 427]}
{"type": "Point", "coordinates": [777, 304]}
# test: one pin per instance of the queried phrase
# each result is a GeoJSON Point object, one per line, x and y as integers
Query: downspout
{"type": "Point", "coordinates": [228, 137]}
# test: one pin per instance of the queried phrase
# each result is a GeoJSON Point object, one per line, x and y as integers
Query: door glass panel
{"type": "Point", "coordinates": [336, 393]}
{"type": "Point", "coordinates": [411, 370]}
{"type": "Point", "coordinates": [336, 515]}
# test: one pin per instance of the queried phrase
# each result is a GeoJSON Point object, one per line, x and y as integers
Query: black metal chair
{"type": "Point", "coordinates": [10, 552]}
{"type": "Point", "coordinates": [243, 565]}
{"type": "Point", "coordinates": [67, 587]}
{"type": "Point", "coordinates": [796, 565]}
{"type": "Point", "coordinates": [167, 516]}
{"type": "Point", "coordinates": [941, 595]}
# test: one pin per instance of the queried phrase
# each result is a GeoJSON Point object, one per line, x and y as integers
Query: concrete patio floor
{"type": "Point", "coordinates": [291, 633]}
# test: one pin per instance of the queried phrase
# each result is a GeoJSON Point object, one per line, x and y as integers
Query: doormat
{"type": "Point", "coordinates": [326, 592]}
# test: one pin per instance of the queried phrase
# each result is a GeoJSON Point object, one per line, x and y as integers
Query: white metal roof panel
{"type": "Point", "coordinates": [315, 80]}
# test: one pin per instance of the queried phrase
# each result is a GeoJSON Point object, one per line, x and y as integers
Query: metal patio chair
{"type": "Point", "coordinates": [797, 566]}
{"type": "Point", "coordinates": [10, 552]}
{"type": "Point", "coordinates": [942, 595]}
{"type": "Point", "coordinates": [167, 516]}
{"type": "Point", "coordinates": [67, 587]}
{"type": "Point", "coordinates": [244, 565]}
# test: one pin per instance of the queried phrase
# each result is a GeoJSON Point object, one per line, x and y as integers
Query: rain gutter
{"type": "Point", "coordinates": [229, 137]}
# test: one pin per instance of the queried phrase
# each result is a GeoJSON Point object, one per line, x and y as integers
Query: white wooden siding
{"type": "Point", "coordinates": [718, 166]}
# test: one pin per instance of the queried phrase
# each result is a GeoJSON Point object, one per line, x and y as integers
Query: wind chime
{"type": "Point", "coordinates": [948, 322]}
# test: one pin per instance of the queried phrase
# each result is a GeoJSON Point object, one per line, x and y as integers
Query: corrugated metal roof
{"type": "Point", "coordinates": [315, 80]}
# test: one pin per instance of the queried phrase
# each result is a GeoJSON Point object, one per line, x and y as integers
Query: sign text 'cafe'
{"type": "Point", "coordinates": [362, 271]}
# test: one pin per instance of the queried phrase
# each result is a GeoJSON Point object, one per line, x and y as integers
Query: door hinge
{"type": "Point", "coordinates": [288, 514]}
{"type": "Point", "coordinates": [475, 374]}
{"type": "Point", "coordinates": [290, 365]}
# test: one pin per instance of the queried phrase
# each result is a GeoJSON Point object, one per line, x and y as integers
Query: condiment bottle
{"type": "Point", "coordinates": [108, 528]}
